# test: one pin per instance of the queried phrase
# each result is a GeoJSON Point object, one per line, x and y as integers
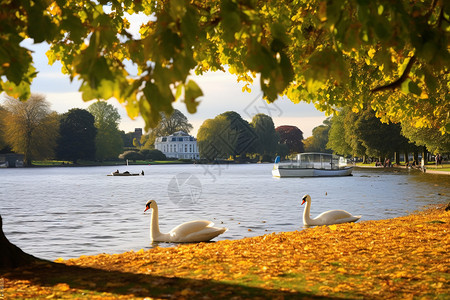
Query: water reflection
{"type": "Point", "coordinates": [67, 212]}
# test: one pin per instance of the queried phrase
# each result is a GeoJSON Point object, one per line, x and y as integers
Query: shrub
{"type": "Point", "coordinates": [131, 155]}
{"type": "Point", "coordinates": [153, 154]}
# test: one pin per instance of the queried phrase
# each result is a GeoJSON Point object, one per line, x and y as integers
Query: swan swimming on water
{"type": "Point", "coordinates": [189, 232]}
{"type": "Point", "coordinates": [330, 217]}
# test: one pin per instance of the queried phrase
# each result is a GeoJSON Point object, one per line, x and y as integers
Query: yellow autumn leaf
{"type": "Point", "coordinates": [63, 287]}
{"type": "Point", "coordinates": [332, 227]}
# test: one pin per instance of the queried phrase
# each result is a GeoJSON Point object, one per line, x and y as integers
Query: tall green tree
{"type": "Point", "coordinates": [30, 127]}
{"type": "Point", "coordinates": [241, 136]}
{"type": "Point", "coordinates": [108, 141]}
{"type": "Point", "coordinates": [319, 139]}
{"type": "Point", "coordinates": [435, 141]}
{"type": "Point", "coordinates": [213, 139]}
{"type": "Point", "coordinates": [337, 137]}
{"type": "Point", "coordinates": [292, 137]}
{"type": "Point", "coordinates": [267, 137]}
{"type": "Point", "coordinates": [224, 136]}
{"type": "Point", "coordinates": [77, 136]}
{"type": "Point", "coordinates": [321, 51]}
{"type": "Point", "coordinates": [379, 139]}
{"type": "Point", "coordinates": [168, 124]}
{"type": "Point", "coordinates": [342, 137]}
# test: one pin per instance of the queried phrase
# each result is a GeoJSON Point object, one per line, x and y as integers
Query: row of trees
{"type": "Point", "coordinates": [229, 135]}
{"type": "Point", "coordinates": [362, 134]}
{"type": "Point", "coordinates": [31, 128]}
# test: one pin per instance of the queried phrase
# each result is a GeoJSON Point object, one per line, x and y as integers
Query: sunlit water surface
{"type": "Point", "coordinates": [67, 212]}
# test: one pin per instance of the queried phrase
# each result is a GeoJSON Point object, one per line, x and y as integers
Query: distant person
{"type": "Point", "coordinates": [142, 173]}
{"type": "Point", "coordinates": [438, 160]}
{"type": "Point", "coordinates": [116, 172]}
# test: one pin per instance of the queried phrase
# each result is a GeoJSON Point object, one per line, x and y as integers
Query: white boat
{"type": "Point", "coordinates": [312, 165]}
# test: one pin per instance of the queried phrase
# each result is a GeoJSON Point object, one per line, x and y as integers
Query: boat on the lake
{"type": "Point", "coordinates": [312, 165]}
{"type": "Point", "coordinates": [126, 173]}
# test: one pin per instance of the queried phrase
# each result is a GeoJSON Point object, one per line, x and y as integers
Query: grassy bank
{"type": "Point", "coordinates": [399, 258]}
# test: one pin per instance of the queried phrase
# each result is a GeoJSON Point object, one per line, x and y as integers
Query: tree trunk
{"type": "Point", "coordinates": [11, 255]}
{"type": "Point", "coordinates": [397, 158]}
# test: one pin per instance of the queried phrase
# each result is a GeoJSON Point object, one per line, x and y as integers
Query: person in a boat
{"type": "Point", "coordinates": [142, 173]}
{"type": "Point", "coordinates": [116, 172]}
{"type": "Point", "coordinates": [126, 172]}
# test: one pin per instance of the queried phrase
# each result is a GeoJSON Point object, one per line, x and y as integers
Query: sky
{"type": "Point", "coordinates": [221, 93]}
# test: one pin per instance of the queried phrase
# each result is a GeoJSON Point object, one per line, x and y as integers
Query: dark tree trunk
{"type": "Point", "coordinates": [11, 255]}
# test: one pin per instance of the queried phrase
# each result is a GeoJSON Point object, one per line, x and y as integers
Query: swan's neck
{"type": "Point", "coordinates": [154, 225]}
{"type": "Point", "coordinates": [306, 213]}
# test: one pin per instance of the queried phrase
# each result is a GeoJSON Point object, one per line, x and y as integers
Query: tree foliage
{"type": "Point", "coordinates": [431, 138]}
{"type": "Point", "coordinates": [292, 137]}
{"type": "Point", "coordinates": [108, 140]}
{"type": "Point", "coordinates": [224, 136]}
{"type": "Point", "coordinates": [131, 155]}
{"type": "Point", "coordinates": [77, 135]}
{"type": "Point", "coordinates": [168, 125]}
{"type": "Point", "coordinates": [320, 51]}
{"type": "Point", "coordinates": [362, 133]}
{"type": "Point", "coordinates": [319, 139]}
{"type": "Point", "coordinates": [3, 143]}
{"type": "Point", "coordinates": [214, 139]}
{"type": "Point", "coordinates": [267, 137]}
{"type": "Point", "coordinates": [153, 154]}
{"type": "Point", "coordinates": [30, 127]}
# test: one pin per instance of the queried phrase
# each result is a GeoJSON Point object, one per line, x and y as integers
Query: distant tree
{"type": "Point", "coordinates": [30, 127]}
{"type": "Point", "coordinates": [177, 121]}
{"type": "Point", "coordinates": [432, 138]}
{"type": "Point", "coordinates": [213, 138]}
{"type": "Point", "coordinates": [131, 155]}
{"type": "Point", "coordinates": [380, 139]}
{"type": "Point", "coordinates": [77, 136]}
{"type": "Point", "coordinates": [240, 137]}
{"type": "Point", "coordinates": [337, 136]}
{"type": "Point", "coordinates": [267, 137]}
{"type": "Point", "coordinates": [108, 141]}
{"type": "Point", "coordinates": [153, 154]}
{"type": "Point", "coordinates": [127, 138]}
{"type": "Point", "coordinates": [319, 139]}
{"type": "Point", "coordinates": [292, 137]}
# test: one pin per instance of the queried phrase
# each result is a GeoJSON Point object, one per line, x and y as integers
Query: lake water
{"type": "Point", "coordinates": [67, 212]}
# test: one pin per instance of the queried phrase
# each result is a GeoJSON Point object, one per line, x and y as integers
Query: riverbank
{"type": "Point", "coordinates": [398, 258]}
{"type": "Point", "coordinates": [430, 169]}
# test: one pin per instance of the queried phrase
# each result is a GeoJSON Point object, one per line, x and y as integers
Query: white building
{"type": "Point", "coordinates": [178, 145]}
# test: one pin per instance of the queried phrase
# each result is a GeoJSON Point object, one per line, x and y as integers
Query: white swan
{"type": "Point", "coordinates": [189, 232]}
{"type": "Point", "coordinates": [326, 218]}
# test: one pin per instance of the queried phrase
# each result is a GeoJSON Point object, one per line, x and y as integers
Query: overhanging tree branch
{"type": "Point", "coordinates": [397, 83]}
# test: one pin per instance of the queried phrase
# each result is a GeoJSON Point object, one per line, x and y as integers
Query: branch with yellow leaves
{"type": "Point", "coordinates": [397, 83]}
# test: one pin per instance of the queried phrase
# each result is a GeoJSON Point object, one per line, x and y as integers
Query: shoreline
{"type": "Point", "coordinates": [393, 258]}
{"type": "Point", "coordinates": [427, 170]}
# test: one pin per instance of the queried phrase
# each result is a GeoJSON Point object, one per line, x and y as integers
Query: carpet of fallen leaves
{"type": "Point", "coordinates": [401, 258]}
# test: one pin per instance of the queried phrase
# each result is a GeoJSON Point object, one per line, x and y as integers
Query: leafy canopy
{"type": "Point", "coordinates": [392, 56]}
